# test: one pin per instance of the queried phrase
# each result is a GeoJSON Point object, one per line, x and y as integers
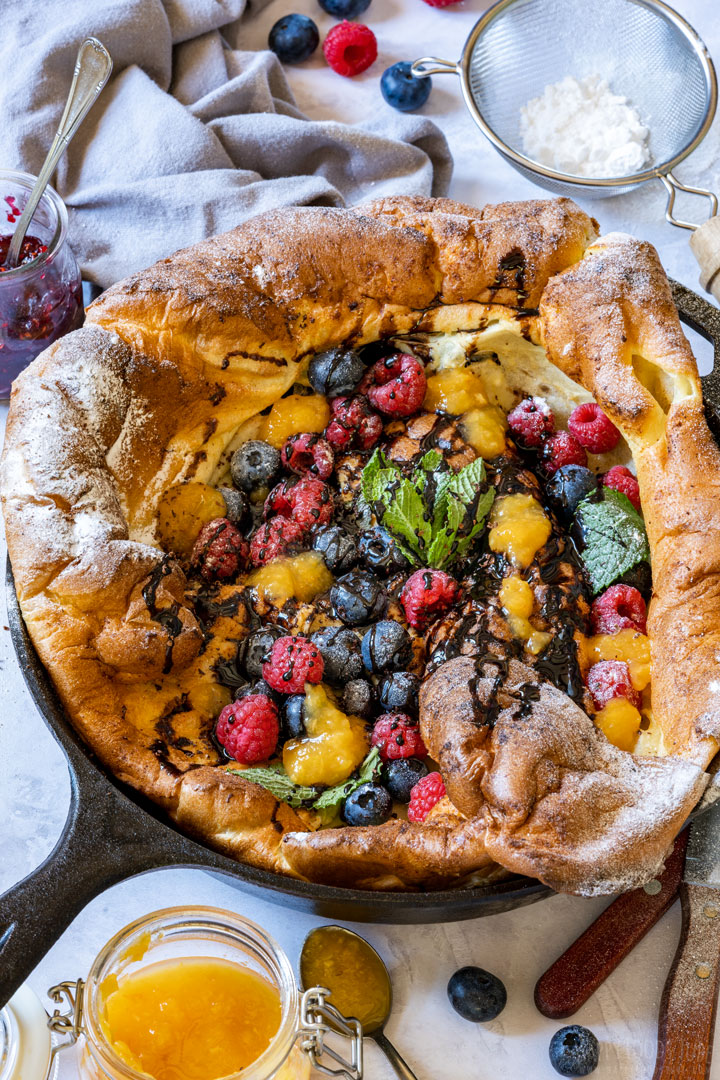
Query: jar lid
{"type": "Point", "coordinates": [25, 1041]}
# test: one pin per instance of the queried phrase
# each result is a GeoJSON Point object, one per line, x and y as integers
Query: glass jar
{"type": "Point", "coordinates": [205, 932]}
{"type": "Point", "coordinates": [25, 1044]}
{"type": "Point", "coordinates": [40, 299]}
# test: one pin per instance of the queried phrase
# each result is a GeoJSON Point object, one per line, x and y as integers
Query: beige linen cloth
{"type": "Point", "coordinates": [190, 137]}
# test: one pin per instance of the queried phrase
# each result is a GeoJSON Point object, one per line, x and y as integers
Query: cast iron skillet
{"type": "Point", "coordinates": [112, 832]}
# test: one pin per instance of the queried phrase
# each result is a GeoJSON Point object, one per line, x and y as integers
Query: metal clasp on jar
{"type": "Point", "coordinates": [318, 1018]}
{"type": "Point", "coordinates": [65, 1026]}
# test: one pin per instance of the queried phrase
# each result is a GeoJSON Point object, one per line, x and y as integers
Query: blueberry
{"type": "Point", "coordinates": [476, 994]}
{"type": "Point", "coordinates": [398, 692]}
{"type": "Point", "coordinates": [379, 552]}
{"type": "Point", "coordinates": [345, 9]}
{"type": "Point", "coordinates": [337, 547]}
{"type": "Point", "coordinates": [370, 804]}
{"type": "Point", "coordinates": [335, 372]}
{"type": "Point", "coordinates": [402, 89]}
{"type": "Point", "coordinates": [293, 38]}
{"type": "Point", "coordinates": [402, 775]}
{"type": "Point", "coordinates": [255, 464]}
{"type": "Point", "coordinates": [639, 577]}
{"type": "Point", "coordinates": [386, 646]}
{"type": "Point", "coordinates": [340, 650]}
{"type": "Point", "coordinates": [259, 687]}
{"type": "Point", "coordinates": [358, 597]}
{"type": "Point", "coordinates": [236, 505]}
{"type": "Point", "coordinates": [254, 650]}
{"type": "Point", "coordinates": [362, 513]}
{"type": "Point", "coordinates": [293, 716]}
{"type": "Point", "coordinates": [566, 489]}
{"type": "Point", "coordinates": [358, 698]}
{"type": "Point", "coordinates": [574, 1051]}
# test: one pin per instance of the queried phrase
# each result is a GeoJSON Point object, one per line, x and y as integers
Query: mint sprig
{"type": "Point", "coordinates": [275, 780]}
{"type": "Point", "coordinates": [614, 536]}
{"type": "Point", "coordinates": [334, 796]}
{"type": "Point", "coordinates": [434, 515]}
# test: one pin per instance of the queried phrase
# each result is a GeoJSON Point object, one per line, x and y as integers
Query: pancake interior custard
{"type": "Point", "coordinates": [379, 546]}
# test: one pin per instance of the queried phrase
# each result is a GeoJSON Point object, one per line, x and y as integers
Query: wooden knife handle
{"type": "Point", "coordinates": [576, 975]}
{"type": "Point", "coordinates": [687, 1008]}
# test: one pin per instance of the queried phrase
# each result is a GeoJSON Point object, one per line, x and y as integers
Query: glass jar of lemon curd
{"type": "Point", "coordinates": [199, 994]}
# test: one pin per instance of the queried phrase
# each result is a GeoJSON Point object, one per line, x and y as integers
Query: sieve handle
{"type": "Point", "coordinates": [433, 65]}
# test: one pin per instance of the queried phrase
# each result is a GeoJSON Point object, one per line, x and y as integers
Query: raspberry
{"type": "Point", "coordinates": [308, 453]}
{"type": "Point", "coordinates": [592, 428]}
{"type": "Point", "coordinates": [532, 421]}
{"type": "Point", "coordinates": [428, 791]}
{"type": "Point", "coordinates": [219, 551]}
{"type": "Point", "coordinates": [621, 607]}
{"type": "Point", "coordinates": [398, 385]}
{"type": "Point", "coordinates": [307, 501]}
{"type": "Point", "coordinates": [293, 662]}
{"type": "Point", "coordinates": [397, 736]}
{"type": "Point", "coordinates": [249, 729]}
{"type": "Point", "coordinates": [278, 536]}
{"type": "Point", "coordinates": [610, 679]}
{"type": "Point", "coordinates": [426, 594]}
{"type": "Point", "coordinates": [621, 479]}
{"type": "Point", "coordinates": [350, 48]}
{"type": "Point", "coordinates": [562, 449]}
{"type": "Point", "coordinates": [441, 3]}
{"type": "Point", "coordinates": [354, 425]}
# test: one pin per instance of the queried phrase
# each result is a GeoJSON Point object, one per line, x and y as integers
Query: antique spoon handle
{"type": "Point", "coordinates": [398, 1063]}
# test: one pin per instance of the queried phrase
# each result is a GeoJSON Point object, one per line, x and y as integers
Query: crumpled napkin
{"type": "Point", "coordinates": [190, 137]}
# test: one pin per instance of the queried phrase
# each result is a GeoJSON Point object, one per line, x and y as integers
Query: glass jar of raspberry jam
{"type": "Point", "coordinates": [40, 298]}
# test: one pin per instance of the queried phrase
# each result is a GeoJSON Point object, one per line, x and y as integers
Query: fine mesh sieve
{"type": "Point", "coordinates": [642, 47]}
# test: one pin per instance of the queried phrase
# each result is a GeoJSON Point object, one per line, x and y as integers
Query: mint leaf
{"type": "Point", "coordinates": [467, 483]}
{"type": "Point", "coordinates": [405, 518]}
{"type": "Point", "coordinates": [275, 780]}
{"type": "Point", "coordinates": [378, 476]}
{"type": "Point", "coordinates": [615, 538]}
{"type": "Point", "coordinates": [481, 511]}
{"type": "Point", "coordinates": [334, 796]}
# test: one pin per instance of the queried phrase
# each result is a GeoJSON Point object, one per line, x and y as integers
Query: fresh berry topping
{"type": "Point", "coordinates": [592, 429]}
{"type": "Point", "coordinates": [370, 804]}
{"type": "Point", "coordinates": [293, 716]}
{"type": "Point", "coordinates": [574, 1051]}
{"type": "Point", "coordinates": [236, 505]}
{"type": "Point", "coordinates": [335, 372]}
{"type": "Point", "coordinates": [427, 594]}
{"type": "Point", "coordinates": [220, 550]}
{"type": "Point", "coordinates": [639, 577]}
{"type": "Point", "coordinates": [402, 775]}
{"type": "Point", "coordinates": [427, 792]}
{"type": "Point", "coordinates": [566, 489]}
{"type": "Point", "coordinates": [399, 385]}
{"type": "Point", "coordinates": [402, 89]}
{"type": "Point", "coordinates": [441, 3]}
{"type": "Point", "coordinates": [379, 551]}
{"type": "Point", "coordinates": [255, 649]}
{"type": "Point", "coordinates": [560, 449]}
{"type": "Point", "coordinates": [477, 995]}
{"type": "Point", "coordinates": [619, 608]}
{"type": "Point", "coordinates": [293, 38]}
{"type": "Point", "coordinates": [340, 650]}
{"type": "Point", "coordinates": [308, 453]}
{"type": "Point", "coordinates": [249, 729]}
{"type": "Point", "coordinates": [531, 422]}
{"type": "Point", "coordinates": [293, 662]}
{"type": "Point", "coordinates": [358, 598]}
{"type": "Point", "coordinates": [386, 646]}
{"type": "Point", "coordinates": [277, 537]}
{"type": "Point", "coordinates": [398, 692]}
{"type": "Point", "coordinates": [337, 547]}
{"type": "Point", "coordinates": [350, 48]}
{"type": "Point", "coordinates": [254, 465]}
{"type": "Point", "coordinates": [307, 501]}
{"type": "Point", "coordinates": [621, 479]}
{"type": "Point", "coordinates": [397, 736]}
{"type": "Point", "coordinates": [610, 679]}
{"type": "Point", "coordinates": [358, 699]}
{"type": "Point", "coordinates": [259, 687]}
{"type": "Point", "coordinates": [345, 9]}
{"type": "Point", "coordinates": [353, 424]}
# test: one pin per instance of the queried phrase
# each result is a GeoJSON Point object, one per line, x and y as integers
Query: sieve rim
{"type": "Point", "coordinates": [653, 172]}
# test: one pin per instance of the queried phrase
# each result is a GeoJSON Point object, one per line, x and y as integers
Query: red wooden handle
{"type": "Point", "coordinates": [576, 975]}
{"type": "Point", "coordinates": [687, 1008]}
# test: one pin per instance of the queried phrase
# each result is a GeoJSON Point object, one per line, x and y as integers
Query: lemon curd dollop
{"type": "Point", "coordinates": [182, 512]}
{"type": "Point", "coordinates": [619, 722]}
{"type": "Point", "coordinates": [519, 527]}
{"type": "Point", "coordinates": [301, 577]}
{"type": "Point", "coordinates": [294, 415]}
{"type": "Point", "coordinates": [351, 971]}
{"type": "Point", "coordinates": [454, 391]}
{"type": "Point", "coordinates": [517, 600]}
{"type": "Point", "coordinates": [628, 645]}
{"type": "Point", "coordinates": [334, 746]}
{"type": "Point", "coordinates": [194, 1018]}
{"type": "Point", "coordinates": [484, 428]}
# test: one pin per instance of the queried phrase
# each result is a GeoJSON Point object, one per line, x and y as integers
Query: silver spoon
{"type": "Point", "coordinates": [92, 70]}
{"type": "Point", "coordinates": [374, 1023]}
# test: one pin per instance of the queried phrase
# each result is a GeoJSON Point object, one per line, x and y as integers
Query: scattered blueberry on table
{"type": "Point", "coordinates": [294, 38]}
{"type": "Point", "coordinates": [402, 89]}
{"type": "Point", "coordinates": [344, 9]}
{"type": "Point", "coordinates": [477, 995]}
{"type": "Point", "coordinates": [574, 1051]}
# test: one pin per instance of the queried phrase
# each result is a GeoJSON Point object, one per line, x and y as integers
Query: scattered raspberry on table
{"type": "Point", "coordinates": [350, 48]}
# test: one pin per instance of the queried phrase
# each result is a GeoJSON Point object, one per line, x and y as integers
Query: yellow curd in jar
{"type": "Point", "coordinates": [354, 975]}
{"type": "Point", "coordinates": [194, 1018]}
{"type": "Point", "coordinates": [519, 527]}
{"type": "Point", "coordinates": [301, 577]}
{"type": "Point", "coordinates": [517, 601]}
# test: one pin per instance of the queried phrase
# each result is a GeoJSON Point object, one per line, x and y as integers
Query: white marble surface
{"type": "Point", "coordinates": [34, 788]}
